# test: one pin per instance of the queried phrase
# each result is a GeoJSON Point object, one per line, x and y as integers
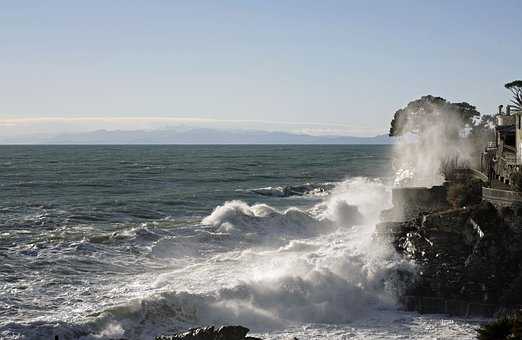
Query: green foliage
{"type": "Point", "coordinates": [455, 194]}
{"type": "Point", "coordinates": [516, 181]}
{"type": "Point", "coordinates": [485, 124]}
{"type": "Point", "coordinates": [465, 193]}
{"type": "Point", "coordinates": [483, 132]}
{"type": "Point", "coordinates": [421, 113]}
{"type": "Point", "coordinates": [516, 89]}
{"type": "Point", "coordinates": [497, 330]}
{"type": "Point", "coordinates": [502, 328]}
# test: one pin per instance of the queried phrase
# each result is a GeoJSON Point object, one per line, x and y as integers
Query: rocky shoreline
{"type": "Point", "coordinates": [212, 333]}
{"type": "Point", "coordinates": [469, 256]}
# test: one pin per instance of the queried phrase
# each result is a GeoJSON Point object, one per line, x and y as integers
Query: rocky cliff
{"type": "Point", "coordinates": [467, 253]}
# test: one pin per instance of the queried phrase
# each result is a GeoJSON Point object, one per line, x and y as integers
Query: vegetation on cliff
{"type": "Point", "coordinates": [422, 113]}
{"type": "Point", "coordinates": [516, 180]}
{"type": "Point", "coordinates": [503, 328]}
{"type": "Point", "coordinates": [465, 193]}
{"type": "Point", "coordinates": [443, 132]}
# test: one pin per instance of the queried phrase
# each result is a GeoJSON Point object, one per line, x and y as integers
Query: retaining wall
{"type": "Point", "coordinates": [452, 307]}
{"type": "Point", "coordinates": [502, 198]}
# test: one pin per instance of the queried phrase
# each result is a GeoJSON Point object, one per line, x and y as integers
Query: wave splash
{"type": "Point", "coordinates": [279, 268]}
{"type": "Point", "coordinates": [308, 189]}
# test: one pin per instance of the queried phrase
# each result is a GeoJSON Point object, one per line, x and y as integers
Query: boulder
{"type": "Point", "coordinates": [470, 254]}
{"type": "Point", "coordinates": [211, 333]}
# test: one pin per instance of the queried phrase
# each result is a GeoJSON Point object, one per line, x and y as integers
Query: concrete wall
{"type": "Point", "coordinates": [518, 135]}
{"type": "Point", "coordinates": [409, 202]}
{"type": "Point", "coordinates": [466, 173]}
{"type": "Point", "coordinates": [419, 196]}
{"type": "Point", "coordinates": [502, 198]}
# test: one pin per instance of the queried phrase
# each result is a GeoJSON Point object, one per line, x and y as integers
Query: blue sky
{"type": "Point", "coordinates": [339, 67]}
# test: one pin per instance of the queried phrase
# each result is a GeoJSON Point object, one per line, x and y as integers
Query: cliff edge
{"type": "Point", "coordinates": [468, 252]}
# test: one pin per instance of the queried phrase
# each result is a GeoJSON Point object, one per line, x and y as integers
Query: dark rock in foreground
{"type": "Point", "coordinates": [212, 333]}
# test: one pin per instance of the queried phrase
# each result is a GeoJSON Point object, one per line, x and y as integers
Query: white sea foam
{"type": "Point", "coordinates": [308, 267]}
{"type": "Point", "coordinates": [274, 271]}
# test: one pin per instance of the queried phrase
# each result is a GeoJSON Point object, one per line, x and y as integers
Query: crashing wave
{"type": "Point", "coordinates": [307, 189]}
{"type": "Point", "coordinates": [301, 266]}
{"type": "Point", "coordinates": [240, 219]}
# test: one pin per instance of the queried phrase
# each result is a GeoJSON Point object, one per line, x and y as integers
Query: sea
{"type": "Point", "coordinates": [111, 242]}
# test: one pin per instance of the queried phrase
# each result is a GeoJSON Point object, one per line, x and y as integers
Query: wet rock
{"type": "Point", "coordinates": [294, 190]}
{"type": "Point", "coordinates": [212, 333]}
{"type": "Point", "coordinates": [471, 254]}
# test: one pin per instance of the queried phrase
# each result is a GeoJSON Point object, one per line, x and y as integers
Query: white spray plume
{"type": "Point", "coordinates": [277, 269]}
{"type": "Point", "coordinates": [423, 158]}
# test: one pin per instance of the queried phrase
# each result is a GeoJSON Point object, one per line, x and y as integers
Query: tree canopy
{"type": "Point", "coordinates": [516, 88]}
{"type": "Point", "coordinates": [428, 110]}
{"type": "Point", "coordinates": [484, 129]}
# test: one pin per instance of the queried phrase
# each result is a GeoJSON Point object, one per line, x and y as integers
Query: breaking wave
{"type": "Point", "coordinates": [307, 189]}
{"type": "Point", "coordinates": [260, 267]}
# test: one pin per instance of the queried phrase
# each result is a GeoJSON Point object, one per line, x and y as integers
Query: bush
{"type": "Point", "coordinates": [456, 194]}
{"type": "Point", "coordinates": [516, 180]}
{"type": "Point", "coordinates": [465, 193]}
{"type": "Point", "coordinates": [502, 328]}
{"type": "Point", "coordinates": [497, 330]}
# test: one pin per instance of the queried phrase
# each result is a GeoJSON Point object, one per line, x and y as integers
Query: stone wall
{"type": "Point", "coordinates": [409, 202]}
{"type": "Point", "coordinates": [502, 198]}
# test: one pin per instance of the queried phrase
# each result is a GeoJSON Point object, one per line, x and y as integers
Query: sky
{"type": "Point", "coordinates": [318, 67]}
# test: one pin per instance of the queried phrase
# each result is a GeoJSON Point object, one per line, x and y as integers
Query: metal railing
{"type": "Point", "coordinates": [501, 196]}
{"type": "Point", "coordinates": [510, 148]}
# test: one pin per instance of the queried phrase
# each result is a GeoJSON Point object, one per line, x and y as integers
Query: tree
{"type": "Point", "coordinates": [516, 88]}
{"type": "Point", "coordinates": [484, 129]}
{"type": "Point", "coordinates": [426, 111]}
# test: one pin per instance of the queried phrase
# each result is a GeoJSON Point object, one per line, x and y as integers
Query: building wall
{"type": "Point", "coordinates": [518, 125]}
{"type": "Point", "coordinates": [502, 198]}
{"type": "Point", "coordinates": [503, 120]}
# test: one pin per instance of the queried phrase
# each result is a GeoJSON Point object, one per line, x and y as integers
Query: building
{"type": "Point", "coordinates": [503, 157]}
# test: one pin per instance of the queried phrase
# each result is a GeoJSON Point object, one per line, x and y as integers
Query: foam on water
{"type": "Point", "coordinates": [313, 272]}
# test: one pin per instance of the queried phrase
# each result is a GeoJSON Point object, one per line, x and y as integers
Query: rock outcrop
{"type": "Point", "coordinates": [471, 254]}
{"type": "Point", "coordinates": [211, 333]}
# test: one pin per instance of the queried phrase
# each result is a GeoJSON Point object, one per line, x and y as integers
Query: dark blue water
{"type": "Point", "coordinates": [114, 184]}
{"type": "Point", "coordinates": [86, 228]}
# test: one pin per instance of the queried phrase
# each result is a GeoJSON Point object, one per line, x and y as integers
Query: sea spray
{"type": "Point", "coordinates": [311, 266]}
{"type": "Point", "coordinates": [421, 159]}
{"type": "Point", "coordinates": [103, 261]}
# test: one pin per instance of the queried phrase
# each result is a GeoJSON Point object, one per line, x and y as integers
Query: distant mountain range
{"type": "Point", "coordinates": [195, 136]}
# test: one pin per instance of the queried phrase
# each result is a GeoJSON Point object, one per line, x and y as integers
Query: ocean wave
{"type": "Point", "coordinates": [258, 266]}
{"type": "Point", "coordinates": [307, 189]}
{"type": "Point", "coordinates": [318, 296]}
{"type": "Point", "coordinates": [324, 268]}
{"type": "Point", "coordinates": [261, 220]}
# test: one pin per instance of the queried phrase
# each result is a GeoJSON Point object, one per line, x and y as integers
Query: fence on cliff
{"type": "Point", "coordinates": [502, 197]}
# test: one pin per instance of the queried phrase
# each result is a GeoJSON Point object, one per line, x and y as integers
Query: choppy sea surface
{"type": "Point", "coordinates": [101, 242]}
